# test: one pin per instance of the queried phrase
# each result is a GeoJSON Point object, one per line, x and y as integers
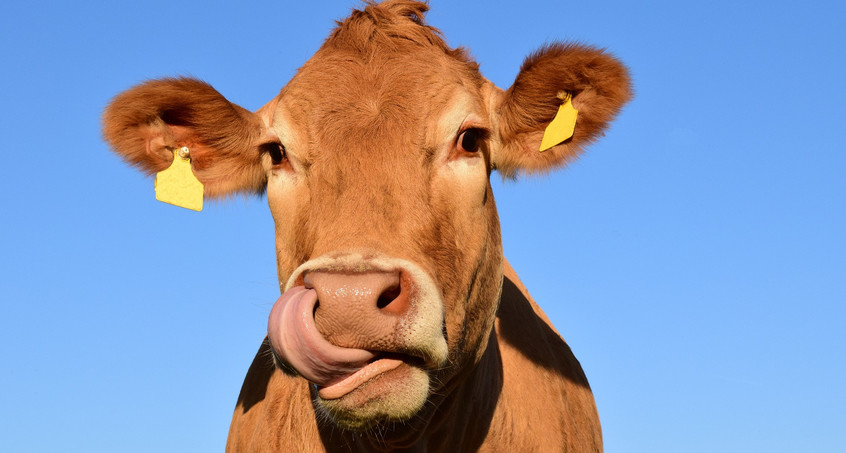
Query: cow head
{"type": "Point", "coordinates": [376, 159]}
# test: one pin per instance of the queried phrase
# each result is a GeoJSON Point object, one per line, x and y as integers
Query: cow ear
{"type": "Point", "coordinates": [597, 84]}
{"type": "Point", "coordinates": [145, 123]}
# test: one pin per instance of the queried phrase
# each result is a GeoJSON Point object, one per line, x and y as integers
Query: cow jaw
{"type": "Point", "coordinates": [379, 371]}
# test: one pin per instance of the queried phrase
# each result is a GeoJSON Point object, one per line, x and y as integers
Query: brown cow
{"type": "Point", "coordinates": [400, 325]}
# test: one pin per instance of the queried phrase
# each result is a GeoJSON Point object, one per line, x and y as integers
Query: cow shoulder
{"type": "Point", "coordinates": [546, 402]}
{"type": "Point", "coordinates": [270, 414]}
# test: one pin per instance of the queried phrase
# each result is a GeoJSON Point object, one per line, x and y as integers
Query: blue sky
{"type": "Point", "coordinates": [694, 258]}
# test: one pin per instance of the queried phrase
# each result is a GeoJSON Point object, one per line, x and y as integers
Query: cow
{"type": "Point", "coordinates": [400, 324]}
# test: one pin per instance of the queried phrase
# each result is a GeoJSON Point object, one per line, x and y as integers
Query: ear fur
{"type": "Point", "coordinates": [599, 85]}
{"type": "Point", "coordinates": [144, 124]}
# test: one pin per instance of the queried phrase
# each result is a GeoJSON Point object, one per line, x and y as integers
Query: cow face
{"type": "Point", "coordinates": [386, 227]}
{"type": "Point", "coordinates": [376, 160]}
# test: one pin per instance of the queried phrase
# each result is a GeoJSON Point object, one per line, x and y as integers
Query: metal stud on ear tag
{"type": "Point", "coordinates": [177, 185]}
{"type": "Point", "coordinates": [562, 126]}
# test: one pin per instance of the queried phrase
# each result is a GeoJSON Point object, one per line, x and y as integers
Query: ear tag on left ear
{"type": "Point", "coordinates": [562, 126]}
{"type": "Point", "coordinates": [177, 184]}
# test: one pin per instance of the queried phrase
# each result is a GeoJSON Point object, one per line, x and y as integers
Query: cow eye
{"type": "Point", "coordinates": [470, 140]}
{"type": "Point", "coordinates": [276, 152]}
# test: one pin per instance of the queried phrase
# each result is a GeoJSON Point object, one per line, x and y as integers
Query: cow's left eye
{"type": "Point", "coordinates": [470, 140]}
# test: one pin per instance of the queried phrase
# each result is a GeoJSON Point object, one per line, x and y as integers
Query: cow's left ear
{"type": "Point", "coordinates": [147, 122]}
{"type": "Point", "coordinates": [597, 84]}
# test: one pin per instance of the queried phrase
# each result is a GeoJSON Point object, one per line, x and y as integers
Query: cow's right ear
{"type": "Point", "coordinates": [145, 123]}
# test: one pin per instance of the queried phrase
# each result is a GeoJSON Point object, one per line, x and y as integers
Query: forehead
{"type": "Point", "coordinates": [382, 85]}
{"type": "Point", "coordinates": [381, 70]}
{"type": "Point", "coordinates": [388, 87]}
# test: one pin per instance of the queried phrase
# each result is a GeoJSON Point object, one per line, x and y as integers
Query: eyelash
{"type": "Point", "coordinates": [276, 151]}
{"type": "Point", "coordinates": [471, 138]}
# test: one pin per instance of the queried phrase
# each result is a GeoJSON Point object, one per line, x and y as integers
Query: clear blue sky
{"type": "Point", "coordinates": [694, 259]}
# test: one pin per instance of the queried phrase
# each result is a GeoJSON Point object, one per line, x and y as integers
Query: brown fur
{"type": "Point", "coordinates": [148, 121]}
{"type": "Point", "coordinates": [507, 403]}
{"type": "Point", "coordinates": [369, 170]}
{"type": "Point", "coordinates": [599, 86]}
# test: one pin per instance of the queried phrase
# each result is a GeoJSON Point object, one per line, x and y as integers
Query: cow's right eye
{"type": "Point", "coordinates": [276, 152]}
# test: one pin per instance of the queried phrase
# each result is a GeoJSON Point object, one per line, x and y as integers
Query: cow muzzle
{"type": "Point", "coordinates": [344, 324]}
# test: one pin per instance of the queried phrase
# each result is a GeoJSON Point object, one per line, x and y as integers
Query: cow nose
{"type": "Point", "coordinates": [359, 310]}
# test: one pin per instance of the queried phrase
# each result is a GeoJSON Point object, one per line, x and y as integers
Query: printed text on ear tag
{"type": "Point", "coordinates": [562, 126]}
{"type": "Point", "coordinates": [177, 184]}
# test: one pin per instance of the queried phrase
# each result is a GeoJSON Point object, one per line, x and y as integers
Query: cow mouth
{"type": "Point", "coordinates": [380, 364]}
{"type": "Point", "coordinates": [335, 370]}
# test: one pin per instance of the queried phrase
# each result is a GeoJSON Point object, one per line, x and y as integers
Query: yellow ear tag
{"type": "Point", "coordinates": [562, 126]}
{"type": "Point", "coordinates": [177, 184]}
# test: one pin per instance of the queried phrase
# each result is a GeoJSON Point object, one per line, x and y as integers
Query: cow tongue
{"type": "Point", "coordinates": [296, 340]}
{"type": "Point", "coordinates": [348, 384]}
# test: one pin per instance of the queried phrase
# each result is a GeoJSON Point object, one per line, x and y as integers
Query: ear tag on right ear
{"type": "Point", "coordinates": [177, 185]}
{"type": "Point", "coordinates": [562, 126]}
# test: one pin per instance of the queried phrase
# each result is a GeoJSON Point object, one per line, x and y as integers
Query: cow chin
{"type": "Point", "coordinates": [393, 396]}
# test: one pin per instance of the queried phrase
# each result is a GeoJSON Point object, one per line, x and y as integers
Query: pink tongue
{"type": "Point", "coordinates": [296, 340]}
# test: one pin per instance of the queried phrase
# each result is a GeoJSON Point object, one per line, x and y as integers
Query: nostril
{"type": "Point", "coordinates": [389, 295]}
